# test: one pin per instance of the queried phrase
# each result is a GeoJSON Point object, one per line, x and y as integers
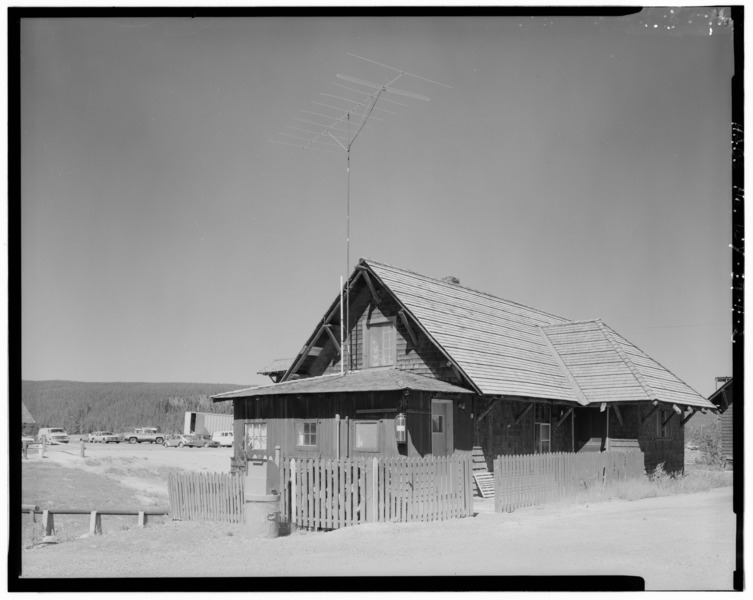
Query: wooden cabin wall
{"type": "Point", "coordinates": [497, 435]}
{"type": "Point", "coordinates": [669, 449]}
{"type": "Point", "coordinates": [281, 412]}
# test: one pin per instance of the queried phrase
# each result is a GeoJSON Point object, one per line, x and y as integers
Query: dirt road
{"type": "Point", "coordinates": [683, 542]}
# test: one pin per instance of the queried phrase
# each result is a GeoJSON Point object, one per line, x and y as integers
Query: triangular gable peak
{"type": "Point", "coordinates": [373, 304]}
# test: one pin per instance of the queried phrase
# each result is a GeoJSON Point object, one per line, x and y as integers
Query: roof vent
{"type": "Point", "coordinates": [451, 279]}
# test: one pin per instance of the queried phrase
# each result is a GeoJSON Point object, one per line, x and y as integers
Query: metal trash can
{"type": "Point", "coordinates": [262, 515]}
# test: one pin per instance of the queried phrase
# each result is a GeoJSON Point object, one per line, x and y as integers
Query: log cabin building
{"type": "Point", "coordinates": [429, 367]}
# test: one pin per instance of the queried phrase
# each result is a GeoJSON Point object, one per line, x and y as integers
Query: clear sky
{"type": "Point", "coordinates": [577, 165]}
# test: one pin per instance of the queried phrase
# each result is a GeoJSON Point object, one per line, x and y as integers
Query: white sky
{"type": "Point", "coordinates": [580, 166]}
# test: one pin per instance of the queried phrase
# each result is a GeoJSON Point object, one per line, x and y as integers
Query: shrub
{"type": "Point", "coordinates": [708, 438]}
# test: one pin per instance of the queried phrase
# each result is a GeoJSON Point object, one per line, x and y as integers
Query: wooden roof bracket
{"type": "Point", "coordinates": [687, 418]}
{"type": "Point", "coordinates": [651, 412]}
{"type": "Point", "coordinates": [618, 414]}
{"type": "Point", "coordinates": [328, 329]}
{"type": "Point", "coordinates": [408, 328]}
{"type": "Point", "coordinates": [488, 409]}
{"type": "Point", "coordinates": [522, 414]}
{"type": "Point", "coordinates": [568, 412]}
{"type": "Point", "coordinates": [668, 419]}
{"type": "Point", "coordinates": [372, 289]}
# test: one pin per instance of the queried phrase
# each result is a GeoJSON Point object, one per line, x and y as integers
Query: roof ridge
{"type": "Point", "coordinates": [629, 363]}
{"type": "Point", "coordinates": [457, 285]}
{"type": "Point", "coordinates": [580, 396]}
{"type": "Point", "coordinates": [654, 360]}
{"type": "Point", "coordinates": [573, 322]}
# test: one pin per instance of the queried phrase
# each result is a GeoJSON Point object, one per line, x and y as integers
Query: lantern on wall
{"type": "Point", "coordinates": [401, 432]}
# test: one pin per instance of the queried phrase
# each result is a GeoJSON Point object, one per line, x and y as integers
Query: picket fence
{"type": "Point", "coordinates": [206, 497]}
{"type": "Point", "coordinates": [331, 493]}
{"type": "Point", "coordinates": [528, 480]}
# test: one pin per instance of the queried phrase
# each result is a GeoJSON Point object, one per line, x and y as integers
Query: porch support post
{"type": "Point", "coordinates": [522, 414]}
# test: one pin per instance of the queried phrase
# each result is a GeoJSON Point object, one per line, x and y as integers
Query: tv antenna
{"type": "Point", "coordinates": [336, 129]}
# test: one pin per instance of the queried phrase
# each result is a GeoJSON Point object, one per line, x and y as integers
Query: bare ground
{"type": "Point", "coordinates": [683, 542]}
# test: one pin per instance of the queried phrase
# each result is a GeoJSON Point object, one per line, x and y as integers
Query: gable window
{"type": "Point", "coordinates": [379, 343]}
{"type": "Point", "coordinates": [543, 429]}
{"type": "Point", "coordinates": [367, 436]}
{"type": "Point", "coordinates": [256, 436]}
{"type": "Point", "coordinates": [305, 434]}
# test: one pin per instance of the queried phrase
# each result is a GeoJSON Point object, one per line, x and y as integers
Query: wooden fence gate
{"type": "Point", "coordinates": [533, 479]}
{"type": "Point", "coordinates": [206, 497]}
{"type": "Point", "coordinates": [330, 493]}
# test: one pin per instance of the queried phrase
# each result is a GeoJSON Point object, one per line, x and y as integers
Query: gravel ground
{"type": "Point", "coordinates": [676, 543]}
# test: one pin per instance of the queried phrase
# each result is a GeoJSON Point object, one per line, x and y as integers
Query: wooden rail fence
{"type": "Point", "coordinates": [330, 493]}
{"type": "Point", "coordinates": [95, 515]}
{"type": "Point", "coordinates": [206, 497]}
{"type": "Point", "coordinates": [528, 480]}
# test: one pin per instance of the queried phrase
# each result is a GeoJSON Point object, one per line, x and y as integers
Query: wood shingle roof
{"type": "Point", "coordinates": [509, 349]}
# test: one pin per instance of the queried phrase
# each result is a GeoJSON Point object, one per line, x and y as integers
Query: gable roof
{"type": "Point", "coordinates": [604, 367]}
{"type": "Point", "coordinates": [506, 348]}
{"type": "Point", "coordinates": [503, 348]}
{"type": "Point", "coordinates": [369, 380]}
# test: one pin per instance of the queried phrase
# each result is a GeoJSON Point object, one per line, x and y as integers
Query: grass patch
{"type": "Point", "coordinates": [49, 485]}
{"type": "Point", "coordinates": [658, 483]}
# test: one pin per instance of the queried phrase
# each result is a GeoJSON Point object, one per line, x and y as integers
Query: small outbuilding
{"type": "Point", "coordinates": [723, 398]}
{"type": "Point", "coordinates": [429, 367]}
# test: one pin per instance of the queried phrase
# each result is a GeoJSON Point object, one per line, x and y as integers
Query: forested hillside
{"type": "Point", "coordinates": [83, 407]}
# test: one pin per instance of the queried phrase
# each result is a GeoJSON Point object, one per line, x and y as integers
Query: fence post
{"type": "Point", "coordinates": [95, 523]}
{"type": "Point", "coordinates": [142, 519]}
{"type": "Point", "coordinates": [277, 457]}
{"type": "Point", "coordinates": [26, 450]}
{"type": "Point", "coordinates": [293, 495]}
{"type": "Point", "coordinates": [374, 508]}
{"type": "Point", "coordinates": [48, 522]}
{"type": "Point", "coordinates": [82, 447]}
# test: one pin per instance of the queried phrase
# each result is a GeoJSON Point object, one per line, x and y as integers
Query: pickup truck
{"type": "Point", "coordinates": [144, 434]}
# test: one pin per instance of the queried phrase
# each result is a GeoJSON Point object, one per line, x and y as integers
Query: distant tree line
{"type": "Point", "coordinates": [82, 407]}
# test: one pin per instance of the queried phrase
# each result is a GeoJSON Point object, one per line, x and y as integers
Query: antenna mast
{"type": "Point", "coordinates": [342, 140]}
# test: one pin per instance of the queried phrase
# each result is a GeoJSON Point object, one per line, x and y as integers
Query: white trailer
{"type": "Point", "coordinates": [207, 423]}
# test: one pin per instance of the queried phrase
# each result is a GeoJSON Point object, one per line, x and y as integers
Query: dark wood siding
{"type": "Point", "coordinates": [281, 413]}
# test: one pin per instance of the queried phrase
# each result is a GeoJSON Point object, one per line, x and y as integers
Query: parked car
{"type": "Point", "coordinates": [104, 437]}
{"type": "Point", "coordinates": [206, 441]}
{"type": "Point", "coordinates": [225, 438]}
{"type": "Point", "coordinates": [144, 434]}
{"type": "Point", "coordinates": [180, 441]}
{"type": "Point", "coordinates": [53, 435]}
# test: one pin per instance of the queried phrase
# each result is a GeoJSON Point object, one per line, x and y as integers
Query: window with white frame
{"type": "Point", "coordinates": [379, 343]}
{"type": "Point", "coordinates": [256, 436]}
{"type": "Point", "coordinates": [305, 434]}
{"type": "Point", "coordinates": [367, 436]}
{"type": "Point", "coordinates": [543, 429]}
